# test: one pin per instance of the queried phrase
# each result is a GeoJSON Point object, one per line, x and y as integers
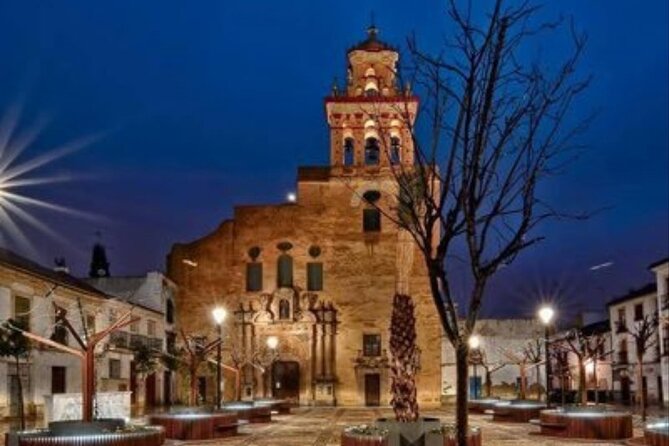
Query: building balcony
{"type": "Point", "coordinates": [122, 339]}
{"type": "Point", "coordinates": [371, 362]}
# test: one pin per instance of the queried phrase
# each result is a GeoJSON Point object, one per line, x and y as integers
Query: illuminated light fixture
{"type": "Point", "coordinates": [272, 342]}
{"type": "Point", "coordinates": [189, 262]}
{"type": "Point", "coordinates": [15, 176]}
{"type": "Point", "coordinates": [546, 315]}
{"type": "Point", "coordinates": [474, 342]}
{"type": "Point", "coordinates": [219, 314]}
{"type": "Point", "coordinates": [291, 197]}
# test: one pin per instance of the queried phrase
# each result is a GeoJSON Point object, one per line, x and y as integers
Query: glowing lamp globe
{"type": "Point", "coordinates": [546, 315]}
{"type": "Point", "coordinates": [272, 342]}
{"type": "Point", "coordinates": [219, 314]}
{"type": "Point", "coordinates": [474, 342]}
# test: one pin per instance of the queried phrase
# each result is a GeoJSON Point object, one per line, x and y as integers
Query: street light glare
{"type": "Point", "coordinates": [546, 315]}
{"type": "Point", "coordinates": [272, 342]}
{"type": "Point", "coordinates": [474, 342]}
{"type": "Point", "coordinates": [219, 314]}
{"type": "Point", "coordinates": [291, 197]}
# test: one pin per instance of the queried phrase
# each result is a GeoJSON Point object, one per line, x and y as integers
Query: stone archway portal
{"type": "Point", "coordinates": [286, 380]}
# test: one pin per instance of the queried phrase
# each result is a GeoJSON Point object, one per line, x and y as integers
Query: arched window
{"type": "Point", "coordinates": [349, 151]}
{"type": "Point", "coordinates": [371, 151]}
{"type": "Point", "coordinates": [395, 150]}
{"type": "Point", "coordinates": [284, 309]}
{"type": "Point", "coordinates": [284, 273]}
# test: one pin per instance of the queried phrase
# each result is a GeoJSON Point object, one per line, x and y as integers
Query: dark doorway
{"type": "Point", "coordinates": [58, 380]}
{"type": "Point", "coordinates": [133, 383]}
{"type": "Point", "coordinates": [660, 391]}
{"type": "Point", "coordinates": [202, 388]}
{"type": "Point", "coordinates": [150, 390]}
{"type": "Point", "coordinates": [625, 390]}
{"type": "Point", "coordinates": [167, 387]}
{"type": "Point", "coordinates": [286, 380]}
{"type": "Point", "coordinates": [372, 389]}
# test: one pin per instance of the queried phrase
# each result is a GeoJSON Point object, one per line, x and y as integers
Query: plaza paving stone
{"type": "Point", "coordinates": [314, 426]}
{"type": "Point", "coordinates": [323, 427]}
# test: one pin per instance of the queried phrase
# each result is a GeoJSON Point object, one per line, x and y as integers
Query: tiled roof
{"type": "Point", "coordinates": [644, 290]}
{"type": "Point", "coordinates": [15, 261]}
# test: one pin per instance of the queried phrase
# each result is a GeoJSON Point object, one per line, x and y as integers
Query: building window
{"type": "Point", "coordinates": [254, 276]}
{"type": "Point", "coordinates": [371, 345]}
{"type": "Point", "coordinates": [58, 380]}
{"type": "Point", "coordinates": [621, 316]}
{"type": "Point", "coordinates": [22, 312]}
{"type": "Point", "coordinates": [151, 328]}
{"type": "Point", "coordinates": [90, 324]}
{"type": "Point", "coordinates": [638, 312]}
{"type": "Point", "coordinates": [114, 368]}
{"type": "Point", "coordinates": [395, 150]}
{"type": "Point", "coordinates": [284, 309]}
{"type": "Point", "coordinates": [60, 334]}
{"type": "Point", "coordinates": [314, 276]}
{"type": "Point", "coordinates": [371, 151]}
{"type": "Point", "coordinates": [371, 220]}
{"type": "Point", "coordinates": [349, 152]}
{"type": "Point", "coordinates": [284, 274]}
{"type": "Point", "coordinates": [169, 312]}
{"type": "Point", "coordinates": [134, 327]}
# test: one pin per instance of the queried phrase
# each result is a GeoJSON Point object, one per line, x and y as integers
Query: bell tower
{"type": "Point", "coordinates": [370, 118]}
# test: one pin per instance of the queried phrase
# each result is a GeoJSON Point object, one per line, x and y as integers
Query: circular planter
{"type": "Point", "coordinates": [145, 436]}
{"type": "Point", "coordinates": [197, 426]}
{"type": "Point", "coordinates": [657, 434]}
{"type": "Point", "coordinates": [277, 406]}
{"type": "Point", "coordinates": [480, 406]}
{"type": "Point", "coordinates": [517, 411]}
{"type": "Point", "coordinates": [364, 436]}
{"type": "Point", "coordinates": [586, 423]}
{"type": "Point", "coordinates": [407, 433]}
{"type": "Point", "coordinates": [253, 413]}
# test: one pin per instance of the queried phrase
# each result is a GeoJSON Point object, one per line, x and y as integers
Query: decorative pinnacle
{"type": "Point", "coordinates": [372, 30]}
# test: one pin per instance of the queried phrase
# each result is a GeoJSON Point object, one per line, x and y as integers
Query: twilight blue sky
{"type": "Point", "coordinates": [210, 103]}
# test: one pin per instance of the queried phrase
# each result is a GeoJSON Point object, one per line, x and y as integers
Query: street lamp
{"type": "Point", "coordinates": [219, 314]}
{"type": "Point", "coordinates": [474, 344]}
{"type": "Point", "coordinates": [546, 315]}
{"type": "Point", "coordinates": [272, 344]}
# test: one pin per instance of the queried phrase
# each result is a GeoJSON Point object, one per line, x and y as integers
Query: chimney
{"type": "Point", "coordinates": [61, 265]}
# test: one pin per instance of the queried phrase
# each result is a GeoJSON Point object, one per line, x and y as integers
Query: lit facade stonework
{"type": "Point", "coordinates": [320, 273]}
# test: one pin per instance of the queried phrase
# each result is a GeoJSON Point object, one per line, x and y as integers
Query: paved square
{"type": "Point", "coordinates": [323, 426]}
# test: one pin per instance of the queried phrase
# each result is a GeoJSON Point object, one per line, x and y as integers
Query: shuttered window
{"type": "Point", "coordinates": [314, 276]}
{"type": "Point", "coordinates": [254, 276]}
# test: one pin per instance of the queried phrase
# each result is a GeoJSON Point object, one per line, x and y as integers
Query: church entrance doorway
{"type": "Point", "coordinates": [286, 380]}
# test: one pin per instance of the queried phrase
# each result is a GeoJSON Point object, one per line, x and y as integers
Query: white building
{"type": "Point", "coordinates": [155, 292]}
{"type": "Point", "coordinates": [502, 343]}
{"type": "Point", "coordinates": [626, 313]}
{"type": "Point", "coordinates": [27, 294]}
{"type": "Point", "coordinates": [661, 270]}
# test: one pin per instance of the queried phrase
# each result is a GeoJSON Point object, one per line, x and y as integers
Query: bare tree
{"type": "Point", "coordinates": [585, 348]}
{"type": "Point", "coordinates": [489, 368]}
{"type": "Point", "coordinates": [533, 353]}
{"type": "Point", "coordinates": [497, 129]}
{"type": "Point", "coordinates": [524, 359]}
{"type": "Point", "coordinates": [644, 335]}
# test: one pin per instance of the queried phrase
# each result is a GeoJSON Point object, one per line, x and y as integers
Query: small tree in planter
{"type": "Point", "coordinates": [405, 362]}
{"type": "Point", "coordinates": [13, 344]}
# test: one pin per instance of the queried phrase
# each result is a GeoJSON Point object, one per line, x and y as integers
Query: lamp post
{"type": "Point", "coordinates": [272, 344]}
{"type": "Point", "coordinates": [219, 314]}
{"type": "Point", "coordinates": [546, 315]}
{"type": "Point", "coordinates": [474, 344]}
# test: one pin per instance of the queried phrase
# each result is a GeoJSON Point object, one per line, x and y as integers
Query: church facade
{"type": "Point", "coordinates": [319, 273]}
